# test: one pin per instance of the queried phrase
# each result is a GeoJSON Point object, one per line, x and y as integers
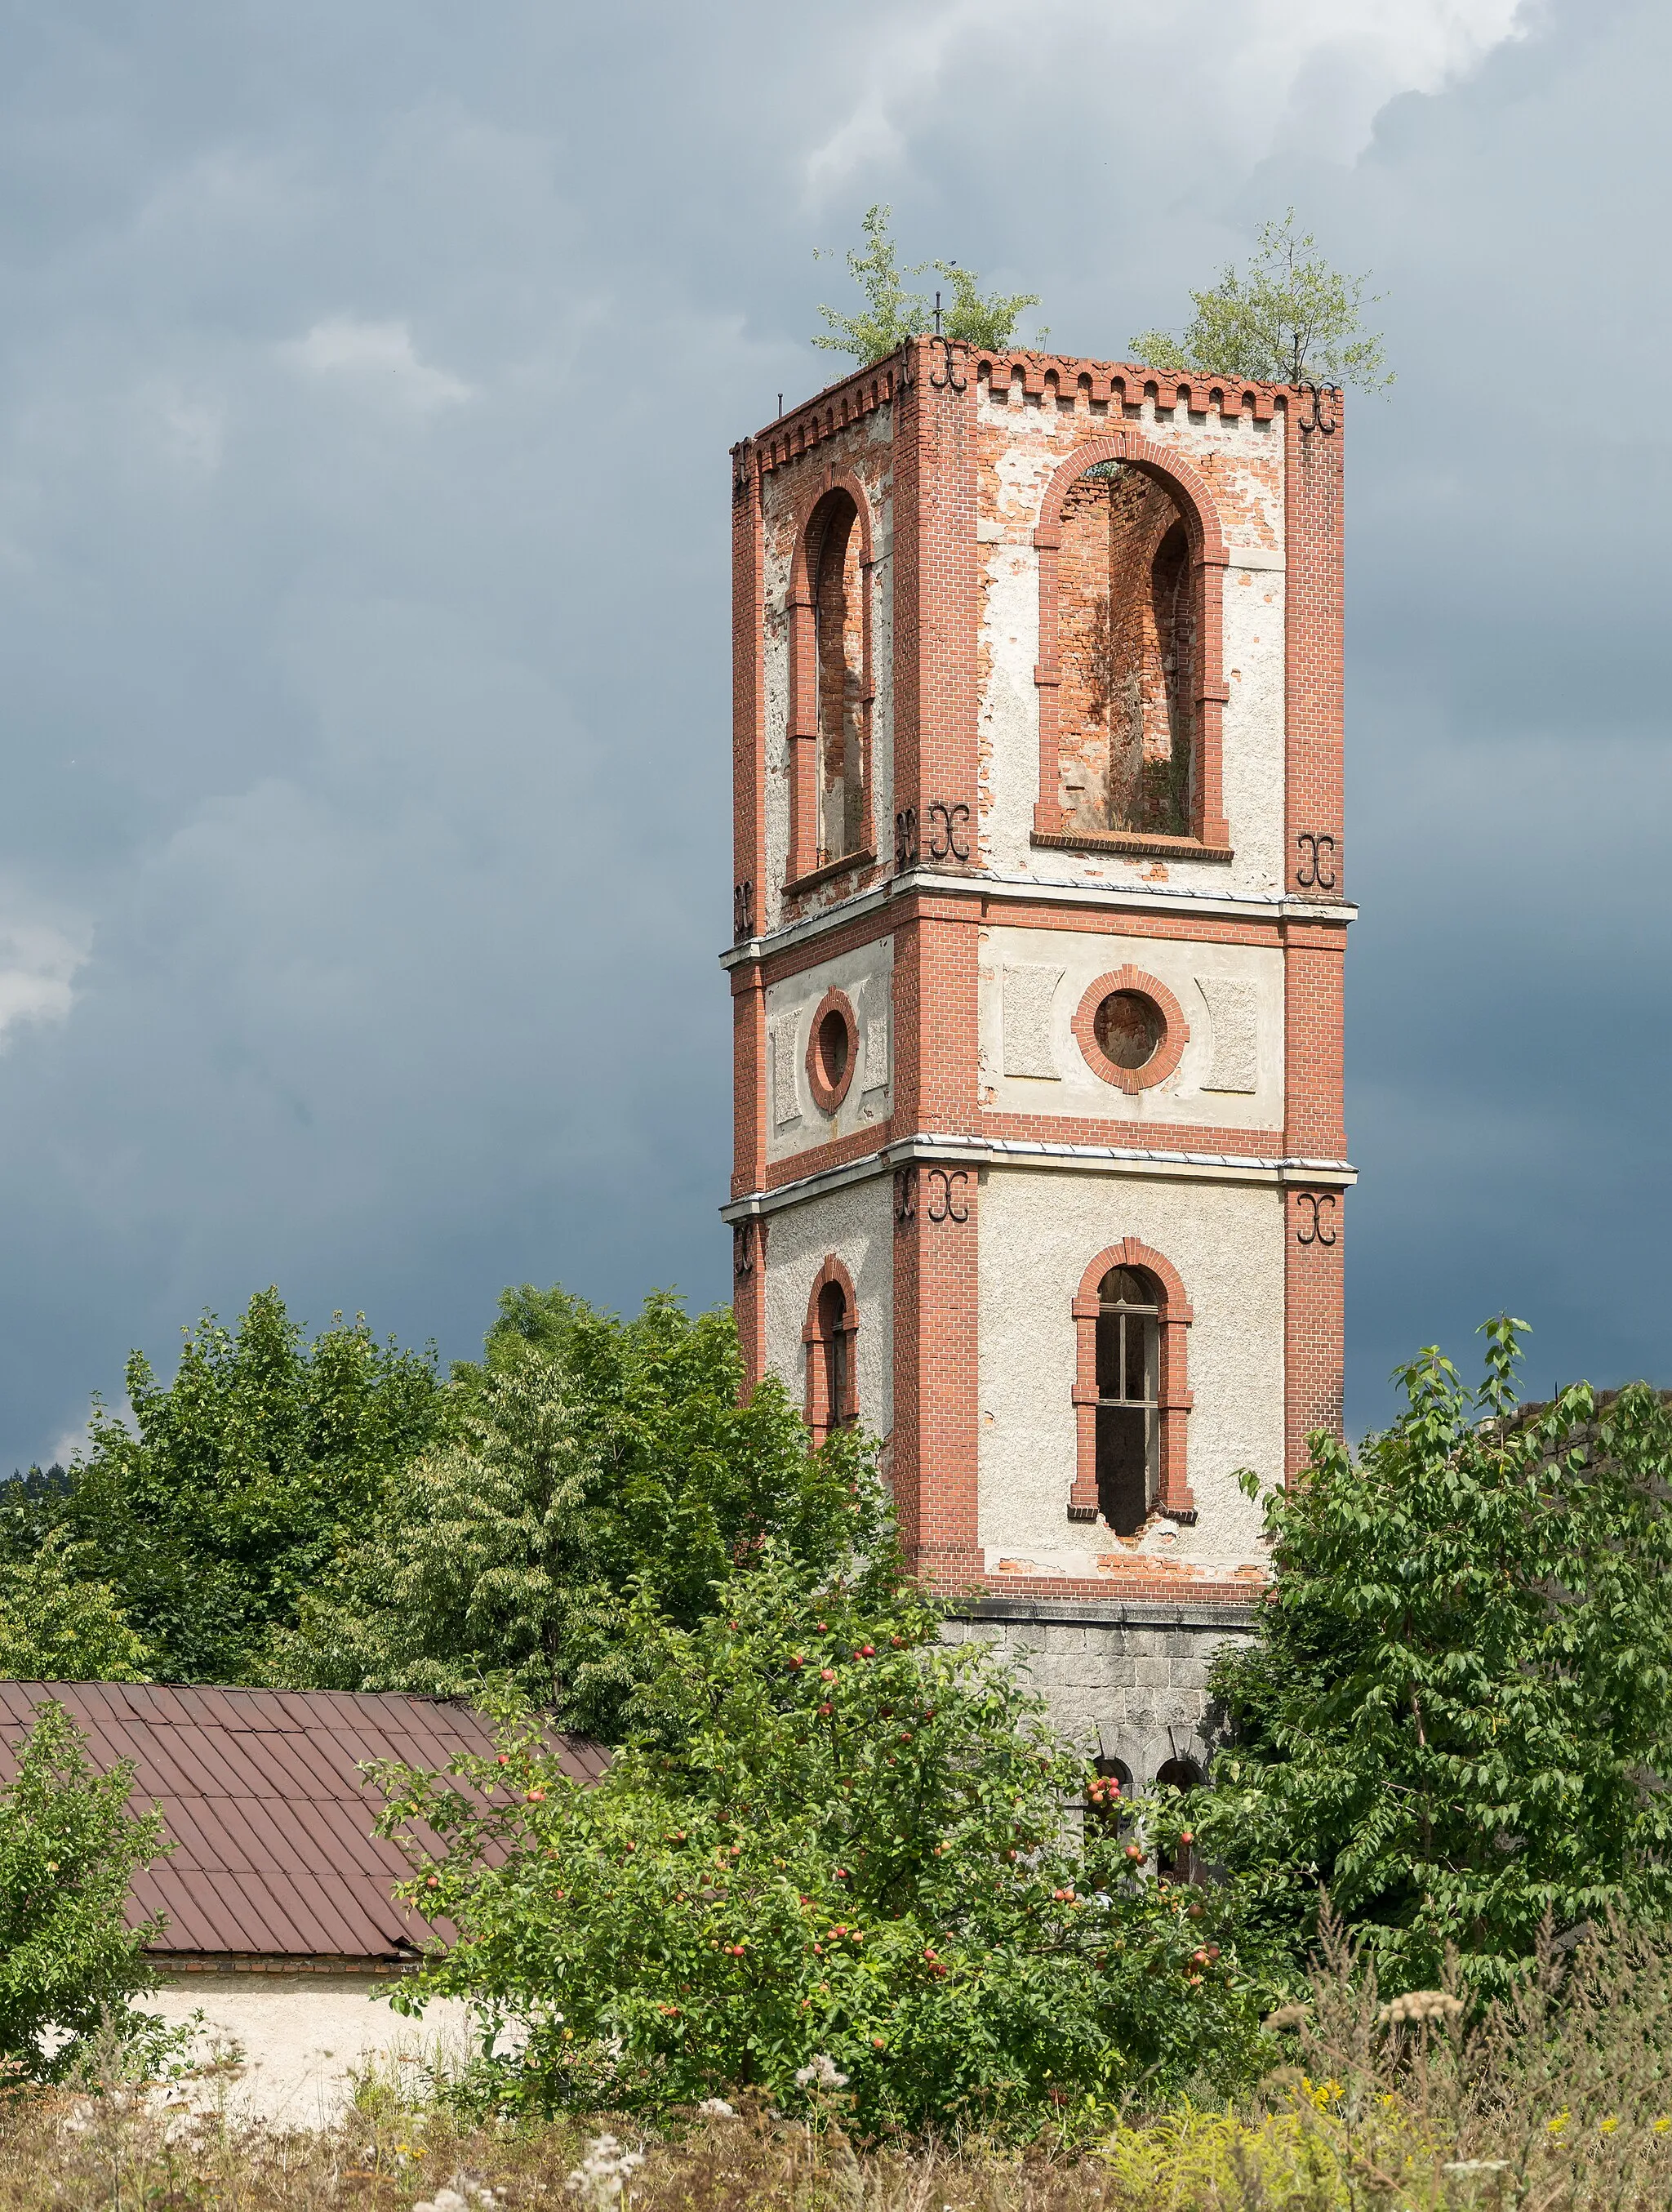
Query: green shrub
{"type": "Point", "coordinates": [832, 1837]}
{"type": "Point", "coordinates": [69, 1851]}
{"type": "Point", "coordinates": [1457, 1715]}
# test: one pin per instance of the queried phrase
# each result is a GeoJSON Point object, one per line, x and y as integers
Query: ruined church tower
{"type": "Point", "coordinates": [1039, 1169]}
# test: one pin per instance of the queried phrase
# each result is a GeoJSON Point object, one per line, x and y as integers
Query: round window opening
{"type": "Point", "coordinates": [833, 1048]}
{"type": "Point", "coordinates": [1128, 1028]}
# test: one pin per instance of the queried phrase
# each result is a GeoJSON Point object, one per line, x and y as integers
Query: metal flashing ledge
{"type": "Point", "coordinates": [1109, 1613]}
{"type": "Point", "coordinates": [1277, 905]}
{"type": "Point", "coordinates": [1017, 1151]}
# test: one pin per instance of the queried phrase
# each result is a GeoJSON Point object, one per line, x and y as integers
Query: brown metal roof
{"type": "Point", "coordinates": [271, 1818]}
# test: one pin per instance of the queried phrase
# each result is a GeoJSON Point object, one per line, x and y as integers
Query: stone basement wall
{"type": "Point", "coordinates": [1124, 1681]}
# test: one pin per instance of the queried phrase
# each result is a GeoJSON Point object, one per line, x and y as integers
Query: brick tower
{"type": "Point", "coordinates": [1039, 1165]}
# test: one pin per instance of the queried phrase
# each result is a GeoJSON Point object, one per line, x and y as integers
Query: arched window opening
{"type": "Point", "coordinates": [832, 1399]}
{"type": "Point", "coordinates": [839, 631]}
{"type": "Point", "coordinates": [1184, 1863]}
{"type": "Point", "coordinates": [1107, 1796]}
{"type": "Point", "coordinates": [1128, 1429]}
{"type": "Point", "coordinates": [1127, 646]}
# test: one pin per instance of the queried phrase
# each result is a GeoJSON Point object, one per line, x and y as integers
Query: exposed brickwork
{"type": "Point", "coordinates": [1175, 1033]}
{"type": "Point", "coordinates": [829, 1087]}
{"type": "Point", "coordinates": [1061, 596]}
{"type": "Point", "coordinates": [831, 688]}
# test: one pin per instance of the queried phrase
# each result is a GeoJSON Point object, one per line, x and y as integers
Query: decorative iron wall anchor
{"type": "Point", "coordinates": [742, 911]}
{"type": "Point", "coordinates": [944, 1205]}
{"type": "Point", "coordinates": [1316, 871]}
{"type": "Point", "coordinates": [945, 822]}
{"type": "Point", "coordinates": [742, 1248]}
{"type": "Point", "coordinates": [1320, 1232]}
{"type": "Point", "coordinates": [905, 838]}
{"type": "Point", "coordinates": [1321, 397]}
{"type": "Point", "coordinates": [905, 1196]}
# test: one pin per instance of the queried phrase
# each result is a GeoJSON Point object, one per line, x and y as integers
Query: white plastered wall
{"type": "Point", "coordinates": [1231, 995]}
{"type": "Point", "coordinates": [1243, 459]}
{"type": "Point", "coordinates": [1040, 1230]}
{"type": "Point", "coordinates": [305, 2037]}
{"type": "Point", "coordinates": [795, 1121]}
{"type": "Point", "coordinates": [855, 1225]}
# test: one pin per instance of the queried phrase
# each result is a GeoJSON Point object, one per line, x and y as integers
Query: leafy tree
{"type": "Point", "coordinates": [69, 1849]}
{"type": "Point", "coordinates": [1457, 1715]}
{"type": "Point", "coordinates": [603, 1474]}
{"type": "Point", "coordinates": [231, 1492]}
{"type": "Point", "coordinates": [1291, 320]}
{"type": "Point", "coordinates": [892, 313]}
{"type": "Point", "coordinates": [831, 1836]}
{"type": "Point", "coordinates": [59, 1624]}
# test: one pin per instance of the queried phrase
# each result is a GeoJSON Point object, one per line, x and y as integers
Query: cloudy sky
{"type": "Point", "coordinates": [366, 373]}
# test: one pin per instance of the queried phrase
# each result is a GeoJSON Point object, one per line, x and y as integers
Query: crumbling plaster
{"type": "Point", "coordinates": [1083, 956]}
{"type": "Point", "coordinates": [1040, 1230]}
{"type": "Point", "coordinates": [854, 1223]}
{"type": "Point", "coordinates": [865, 975]}
{"type": "Point", "coordinates": [864, 450]}
{"type": "Point", "coordinates": [1023, 443]}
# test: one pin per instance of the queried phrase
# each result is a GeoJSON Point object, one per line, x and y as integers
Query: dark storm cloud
{"type": "Point", "coordinates": [365, 388]}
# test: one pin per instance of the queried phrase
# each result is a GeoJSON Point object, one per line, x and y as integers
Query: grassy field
{"type": "Point", "coordinates": [1561, 2098]}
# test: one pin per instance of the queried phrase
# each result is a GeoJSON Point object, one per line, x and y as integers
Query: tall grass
{"type": "Point", "coordinates": [1559, 2097]}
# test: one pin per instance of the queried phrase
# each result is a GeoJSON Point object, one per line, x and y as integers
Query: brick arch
{"type": "Point", "coordinates": [1175, 1499]}
{"type": "Point", "coordinates": [1191, 493]}
{"type": "Point", "coordinates": [804, 855]}
{"type": "Point", "coordinates": [818, 1398]}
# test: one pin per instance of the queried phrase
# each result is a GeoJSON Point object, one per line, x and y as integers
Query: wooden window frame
{"type": "Point", "coordinates": [1173, 1498]}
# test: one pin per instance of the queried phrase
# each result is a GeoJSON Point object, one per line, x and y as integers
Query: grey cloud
{"type": "Point", "coordinates": [367, 691]}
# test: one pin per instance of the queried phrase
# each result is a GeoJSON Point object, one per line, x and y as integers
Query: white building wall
{"type": "Point", "coordinates": [794, 1121]}
{"type": "Point", "coordinates": [306, 2039]}
{"type": "Point", "coordinates": [855, 1225]}
{"type": "Point", "coordinates": [1231, 1075]}
{"type": "Point", "coordinates": [1040, 1230]}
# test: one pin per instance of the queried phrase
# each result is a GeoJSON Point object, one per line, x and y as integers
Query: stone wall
{"type": "Point", "coordinates": [1123, 1681]}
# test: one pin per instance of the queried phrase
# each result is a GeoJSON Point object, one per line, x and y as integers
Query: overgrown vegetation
{"type": "Point", "coordinates": [1458, 1718]}
{"type": "Point", "coordinates": [1291, 318]}
{"type": "Point", "coordinates": [894, 313]}
{"type": "Point", "coordinates": [1556, 2098]}
{"type": "Point", "coordinates": [829, 1836]}
{"type": "Point", "coordinates": [830, 1843]}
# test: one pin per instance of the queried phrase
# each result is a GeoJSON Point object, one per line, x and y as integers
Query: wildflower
{"type": "Point", "coordinates": [1288, 2015]}
{"type": "Point", "coordinates": [716, 2108]}
{"type": "Point", "coordinates": [1418, 2008]}
{"type": "Point", "coordinates": [822, 2074]}
{"type": "Point", "coordinates": [600, 2179]}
